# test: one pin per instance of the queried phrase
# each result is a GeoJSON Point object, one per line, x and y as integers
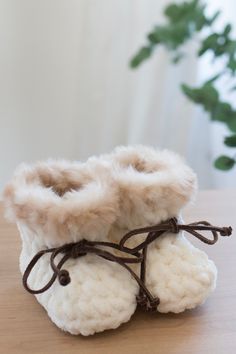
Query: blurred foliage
{"type": "Point", "coordinates": [185, 21]}
{"type": "Point", "coordinates": [224, 163]}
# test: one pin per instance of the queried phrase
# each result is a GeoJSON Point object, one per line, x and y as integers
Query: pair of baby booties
{"type": "Point", "coordinates": [58, 202]}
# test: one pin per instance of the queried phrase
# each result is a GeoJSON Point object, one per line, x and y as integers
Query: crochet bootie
{"type": "Point", "coordinates": [81, 256]}
{"type": "Point", "coordinates": [155, 186]}
{"type": "Point", "coordinates": [56, 203]}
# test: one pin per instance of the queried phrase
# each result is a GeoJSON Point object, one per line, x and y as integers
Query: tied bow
{"type": "Point", "coordinates": [137, 254]}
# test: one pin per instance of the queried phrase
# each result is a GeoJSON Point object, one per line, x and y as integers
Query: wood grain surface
{"type": "Point", "coordinates": [211, 328]}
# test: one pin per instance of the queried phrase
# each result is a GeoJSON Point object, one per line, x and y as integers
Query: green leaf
{"type": "Point", "coordinates": [191, 93]}
{"type": "Point", "coordinates": [142, 55]}
{"type": "Point", "coordinates": [172, 36]}
{"type": "Point", "coordinates": [176, 36]}
{"type": "Point", "coordinates": [173, 12]}
{"type": "Point", "coordinates": [227, 29]}
{"type": "Point", "coordinates": [231, 122]}
{"type": "Point", "coordinates": [209, 43]}
{"type": "Point", "coordinates": [191, 13]}
{"type": "Point", "coordinates": [222, 112]}
{"type": "Point", "coordinates": [154, 37]}
{"type": "Point", "coordinates": [224, 163]}
{"type": "Point", "coordinates": [210, 94]}
{"type": "Point", "coordinates": [232, 64]}
{"type": "Point", "coordinates": [231, 52]}
{"type": "Point", "coordinates": [230, 140]}
{"type": "Point", "coordinates": [231, 48]}
{"type": "Point", "coordinates": [205, 95]}
{"type": "Point", "coordinates": [179, 12]}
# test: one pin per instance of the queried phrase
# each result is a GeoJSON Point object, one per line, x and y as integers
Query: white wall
{"type": "Point", "coordinates": [66, 89]}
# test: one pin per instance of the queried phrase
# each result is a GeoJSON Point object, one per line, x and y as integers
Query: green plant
{"type": "Point", "coordinates": [184, 22]}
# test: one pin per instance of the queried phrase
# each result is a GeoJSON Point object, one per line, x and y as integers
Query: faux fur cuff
{"type": "Point", "coordinates": [64, 200]}
{"type": "Point", "coordinates": [154, 185]}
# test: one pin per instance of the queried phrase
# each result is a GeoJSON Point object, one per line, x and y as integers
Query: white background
{"type": "Point", "coordinates": [66, 90]}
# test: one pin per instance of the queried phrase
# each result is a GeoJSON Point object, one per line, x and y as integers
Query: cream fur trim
{"type": "Point", "coordinates": [154, 185]}
{"type": "Point", "coordinates": [67, 201]}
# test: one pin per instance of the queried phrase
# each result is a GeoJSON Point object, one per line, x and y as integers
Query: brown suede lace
{"type": "Point", "coordinates": [137, 254]}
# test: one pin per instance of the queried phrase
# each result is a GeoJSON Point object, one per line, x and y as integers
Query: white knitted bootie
{"type": "Point", "coordinates": [57, 203]}
{"type": "Point", "coordinates": [154, 186]}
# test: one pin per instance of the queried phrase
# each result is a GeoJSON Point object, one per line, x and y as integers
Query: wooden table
{"type": "Point", "coordinates": [211, 328]}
